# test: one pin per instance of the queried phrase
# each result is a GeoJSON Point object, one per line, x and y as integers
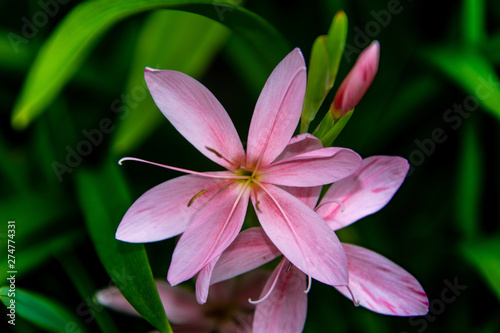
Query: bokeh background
{"type": "Point", "coordinates": [73, 102]}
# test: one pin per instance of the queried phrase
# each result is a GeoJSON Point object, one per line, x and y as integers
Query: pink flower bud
{"type": "Point", "coordinates": [357, 81]}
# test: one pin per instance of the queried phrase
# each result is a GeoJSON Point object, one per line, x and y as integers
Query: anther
{"type": "Point", "coordinates": [219, 155]}
{"type": "Point", "coordinates": [257, 206]}
{"type": "Point", "coordinates": [214, 151]}
{"type": "Point", "coordinates": [289, 267]}
{"type": "Point", "coordinates": [195, 196]}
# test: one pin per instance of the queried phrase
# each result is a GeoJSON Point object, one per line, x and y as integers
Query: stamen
{"type": "Point", "coordinates": [203, 174]}
{"type": "Point", "coordinates": [195, 196]}
{"type": "Point", "coordinates": [356, 303]}
{"type": "Point", "coordinates": [287, 220]}
{"type": "Point", "coordinates": [330, 202]}
{"type": "Point", "coordinates": [257, 206]}
{"type": "Point", "coordinates": [278, 270]}
{"type": "Point", "coordinates": [211, 188]}
{"type": "Point", "coordinates": [309, 285]}
{"type": "Point", "coordinates": [289, 267]}
{"type": "Point", "coordinates": [227, 220]}
{"type": "Point", "coordinates": [219, 155]}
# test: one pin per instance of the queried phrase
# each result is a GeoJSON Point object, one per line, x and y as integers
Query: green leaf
{"type": "Point", "coordinates": [33, 211]}
{"type": "Point", "coordinates": [30, 255]}
{"type": "Point", "coordinates": [473, 73]}
{"type": "Point", "coordinates": [473, 25]}
{"type": "Point", "coordinates": [335, 41]}
{"type": "Point", "coordinates": [104, 198]}
{"type": "Point", "coordinates": [14, 54]}
{"type": "Point", "coordinates": [318, 78]}
{"type": "Point", "coordinates": [247, 64]}
{"type": "Point", "coordinates": [483, 255]}
{"type": "Point", "coordinates": [40, 310]}
{"type": "Point", "coordinates": [171, 40]}
{"type": "Point", "coordinates": [86, 288]}
{"type": "Point", "coordinates": [331, 134]}
{"type": "Point", "coordinates": [470, 182]}
{"type": "Point", "coordinates": [74, 37]}
{"type": "Point", "coordinates": [323, 68]}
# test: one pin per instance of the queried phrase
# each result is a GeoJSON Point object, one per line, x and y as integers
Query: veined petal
{"type": "Point", "coordinates": [277, 111]}
{"type": "Point", "coordinates": [313, 168]}
{"type": "Point", "coordinates": [251, 249]}
{"type": "Point", "coordinates": [211, 231]}
{"type": "Point", "coordinates": [180, 305]}
{"type": "Point", "coordinates": [164, 211]}
{"type": "Point", "coordinates": [382, 286]}
{"type": "Point", "coordinates": [300, 144]}
{"type": "Point", "coordinates": [308, 195]}
{"type": "Point", "coordinates": [285, 309]}
{"type": "Point", "coordinates": [203, 281]}
{"type": "Point", "coordinates": [195, 112]}
{"type": "Point", "coordinates": [363, 193]}
{"type": "Point", "coordinates": [113, 299]}
{"type": "Point", "coordinates": [301, 235]}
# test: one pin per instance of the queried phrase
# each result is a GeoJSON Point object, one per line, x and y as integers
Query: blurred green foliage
{"type": "Point", "coordinates": [73, 101]}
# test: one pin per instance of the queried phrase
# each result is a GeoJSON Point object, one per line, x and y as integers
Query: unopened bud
{"type": "Point", "coordinates": [357, 81]}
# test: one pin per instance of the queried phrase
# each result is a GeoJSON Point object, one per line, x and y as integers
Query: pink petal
{"type": "Point", "coordinates": [250, 249]}
{"type": "Point", "coordinates": [211, 231]}
{"type": "Point", "coordinates": [285, 309]}
{"type": "Point", "coordinates": [249, 286]}
{"type": "Point", "coordinates": [358, 80]}
{"type": "Point", "coordinates": [180, 305]}
{"type": "Point", "coordinates": [313, 168]}
{"type": "Point", "coordinates": [113, 299]}
{"type": "Point", "coordinates": [277, 111]}
{"type": "Point", "coordinates": [382, 286]}
{"type": "Point", "coordinates": [197, 115]}
{"type": "Point", "coordinates": [363, 193]}
{"type": "Point", "coordinates": [308, 195]}
{"type": "Point", "coordinates": [163, 212]}
{"type": "Point", "coordinates": [301, 235]}
{"type": "Point", "coordinates": [300, 144]}
{"type": "Point", "coordinates": [203, 280]}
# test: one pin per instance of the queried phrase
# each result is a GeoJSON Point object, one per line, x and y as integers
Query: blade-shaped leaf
{"type": "Point", "coordinates": [86, 288]}
{"type": "Point", "coordinates": [32, 255]}
{"type": "Point", "coordinates": [318, 78]}
{"type": "Point", "coordinates": [40, 310]}
{"type": "Point", "coordinates": [473, 23]}
{"type": "Point", "coordinates": [334, 132]}
{"type": "Point", "coordinates": [470, 182]}
{"type": "Point", "coordinates": [483, 255]}
{"type": "Point", "coordinates": [323, 67]}
{"type": "Point", "coordinates": [472, 72]}
{"type": "Point", "coordinates": [104, 199]}
{"type": "Point", "coordinates": [172, 40]}
{"type": "Point", "coordinates": [335, 42]}
{"type": "Point", "coordinates": [75, 36]}
{"type": "Point", "coordinates": [246, 63]}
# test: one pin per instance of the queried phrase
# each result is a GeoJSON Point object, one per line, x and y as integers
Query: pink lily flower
{"type": "Point", "coordinates": [227, 309]}
{"type": "Point", "coordinates": [208, 208]}
{"type": "Point", "coordinates": [375, 282]}
{"type": "Point", "coordinates": [357, 82]}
